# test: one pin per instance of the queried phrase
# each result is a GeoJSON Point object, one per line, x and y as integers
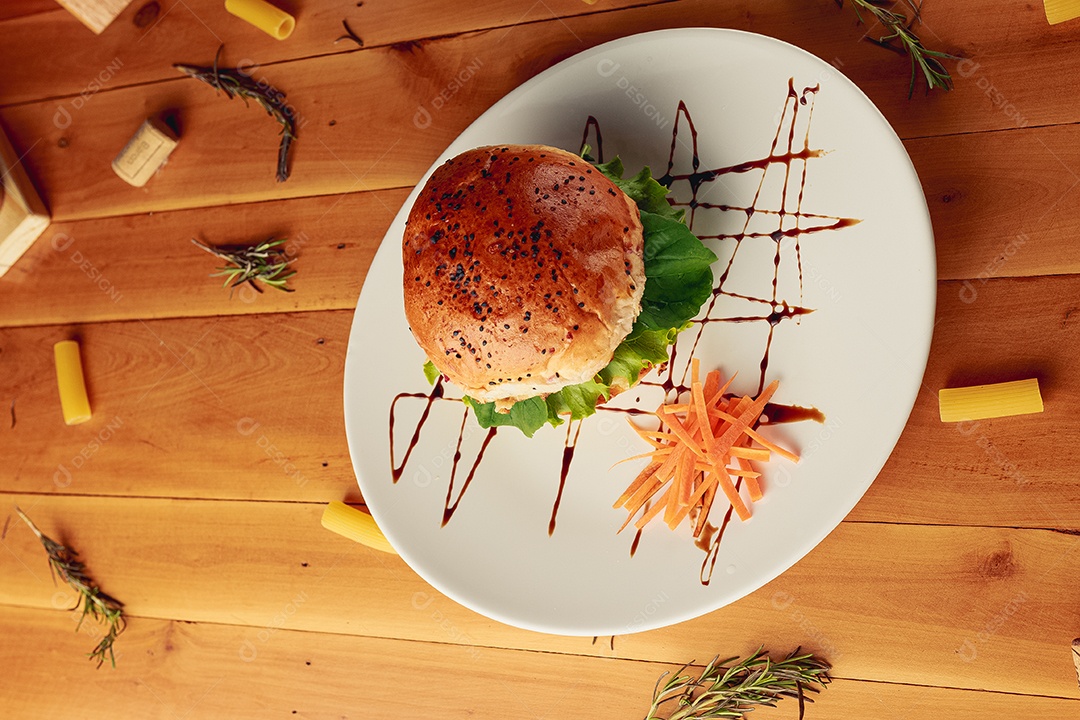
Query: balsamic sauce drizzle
{"type": "Point", "coordinates": [594, 124]}
{"type": "Point", "coordinates": [790, 225]}
{"type": "Point", "coordinates": [567, 458]}
{"type": "Point", "coordinates": [435, 394]}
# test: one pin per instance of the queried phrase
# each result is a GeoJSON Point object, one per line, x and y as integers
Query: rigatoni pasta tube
{"type": "Point", "coordinates": [69, 379]}
{"type": "Point", "coordinates": [1058, 11]}
{"type": "Point", "coordinates": [356, 525]}
{"type": "Point", "coordinates": [273, 21]}
{"type": "Point", "coordinates": [979, 402]}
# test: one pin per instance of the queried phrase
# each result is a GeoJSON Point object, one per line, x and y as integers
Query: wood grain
{"type": "Point", "coordinates": [1058, 11]}
{"type": "Point", "coordinates": [217, 370]}
{"type": "Point", "coordinates": [374, 95]}
{"type": "Point", "coordinates": [195, 493]}
{"type": "Point", "coordinates": [1009, 468]}
{"type": "Point", "coordinates": [970, 603]}
{"type": "Point", "coordinates": [157, 273]}
{"type": "Point", "coordinates": [170, 669]}
{"type": "Point", "coordinates": [21, 8]}
{"type": "Point", "coordinates": [992, 218]}
{"type": "Point", "coordinates": [140, 49]}
{"type": "Point", "coordinates": [246, 407]}
{"type": "Point", "coordinates": [1004, 47]}
{"type": "Point", "coordinates": [1003, 203]}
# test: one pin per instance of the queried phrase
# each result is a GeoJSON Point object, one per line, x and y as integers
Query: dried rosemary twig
{"type": "Point", "coordinates": [731, 692]}
{"type": "Point", "coordinates": [235, 83]}
{"type": "Point", "coordinates": [265, 262]}
{"type": "Point", "coordinates": [96, 604]}
{"type": "Point", "coordinates": [900, 37]}
{"type": "Point", "coordinates": [349, 35]}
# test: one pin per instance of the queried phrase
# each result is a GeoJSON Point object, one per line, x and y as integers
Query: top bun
{"type": "Point", "coordinates": [523, 270]}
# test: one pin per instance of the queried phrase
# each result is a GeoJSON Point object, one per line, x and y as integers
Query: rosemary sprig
{"type": "Point", "coordinates": [235, 83]}
{"type": "Point", "coordinates": [731, 692]}
{"type": "Point", "coordinates": [96, 604]}
{"type": "Point", "coordinates": [900, 37]}
{"type": "Point", "coordinates": [265, 262]}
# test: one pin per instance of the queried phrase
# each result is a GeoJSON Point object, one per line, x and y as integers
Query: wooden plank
{"type": "Point", "coordinates": [1005, 468]}
{"type": "Point", "coordinates": [1004, 47]}
{"type": "Point", "coordinates": [373, 95]}
{"type": "Point", "coordinates": [246, 407]}
{"type": "Point", "coordinates": [141, 48]}
{"type": "Point", "coordinates": [156, 271]}
{"type": "Point", "coordinates": [184, 418]}
{"type": "Point", "coordinates": [956, 607]}
{"type": "Point", "coordinates": [1003, 202]}
{"type": "Point", "coordinates": [173, 669]}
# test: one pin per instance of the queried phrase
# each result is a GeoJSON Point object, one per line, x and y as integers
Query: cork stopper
{"type": "Point", "coordinates": [145, 153]}
{"type": "Point", "coordinates": [1058, 11]}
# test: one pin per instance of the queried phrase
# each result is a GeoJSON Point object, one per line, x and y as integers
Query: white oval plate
{"type": "Point", "coordinates": [859, 356]}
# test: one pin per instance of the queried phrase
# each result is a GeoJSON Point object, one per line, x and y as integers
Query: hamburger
{"type": "Point", "coordinates": [541, 284]}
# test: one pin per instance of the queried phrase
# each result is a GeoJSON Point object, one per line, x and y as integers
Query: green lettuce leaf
{"type": "Point", "coordinates": [526, 415]}
{"type": "Point", "coordinates": [678, 275]}
{"type": "Point", "coordinates": [576, 401]}
{"type": "Point", "coordinates": [635, 355]}
{"type": "Point", "coordinates": [431, 372]}
{"type": "Point", "coordinates": [678, 281]}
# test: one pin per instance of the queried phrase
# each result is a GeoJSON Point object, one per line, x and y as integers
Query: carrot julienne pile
{"type": "Point", "coordinates": [703, 443]}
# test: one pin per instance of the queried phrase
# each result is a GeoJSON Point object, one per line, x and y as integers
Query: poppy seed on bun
{"type": "Point", "coordinates": [523, 271]}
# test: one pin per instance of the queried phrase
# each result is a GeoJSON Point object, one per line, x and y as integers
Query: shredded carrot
{"type": "Point", "coordinates": [705, 443]}
{"type": "Point", "coordinates": [703, 513]}
{"type": "Point", "coordinates": [653, 511]}
{"type": "Point", "coordinates": [639, 481]}
{"type": "Point", "coordinates": [659, 452]}
{"type": "Point", "coordinates": [753, 487]}
{"type": "Point", "coordinates": [749, 453]}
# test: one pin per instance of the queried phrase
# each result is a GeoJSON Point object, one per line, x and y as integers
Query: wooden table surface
{"type": "Point", "coordinates": [949, 591]}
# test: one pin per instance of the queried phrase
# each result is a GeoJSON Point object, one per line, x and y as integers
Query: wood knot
{"type": "Point", "coordinates": [950, 195]}
{"type": "Point", "coordinates": [147, 14]}
{"type": "Point", "coordinates": [409, 46]}
{"type": "Point", "coordinates": [998, 565]}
